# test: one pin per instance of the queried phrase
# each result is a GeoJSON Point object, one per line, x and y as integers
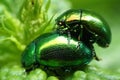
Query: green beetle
{"type": "Point", "coordinates": [56, 51]}
{"type": "Point", "coordinates": [85, 26]}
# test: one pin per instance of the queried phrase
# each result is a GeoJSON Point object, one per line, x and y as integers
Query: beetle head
{"type": "Point", "coordinates": [103, 42]}
{"type": "Point", "coordinates": [62, 27]}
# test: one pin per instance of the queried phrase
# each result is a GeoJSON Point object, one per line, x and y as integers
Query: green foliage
{"type": "Point", "coordinates": [15, 72]}
{"type": "Point", "coordinates": [19, 25]}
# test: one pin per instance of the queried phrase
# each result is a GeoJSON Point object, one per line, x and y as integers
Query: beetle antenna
{"type": "Point", "coordinates": [81, 26]}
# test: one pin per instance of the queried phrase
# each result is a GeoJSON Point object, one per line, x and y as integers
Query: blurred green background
{"type": "Point", "coordinates": [110, 11]}
{"type": "Point", "coordinates": [17, 19]}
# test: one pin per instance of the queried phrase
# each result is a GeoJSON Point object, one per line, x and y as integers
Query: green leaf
{"type": "Point", "coordinates": [47, 5]}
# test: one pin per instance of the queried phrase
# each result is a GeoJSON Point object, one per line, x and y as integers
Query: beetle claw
{"type": "Point", "coordinates": [96, 57]}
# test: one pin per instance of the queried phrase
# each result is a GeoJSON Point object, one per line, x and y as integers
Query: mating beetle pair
{"type": "Point", "coordinates": [71, 44]}
{"type": "Point", "coordinates": [86, 25]}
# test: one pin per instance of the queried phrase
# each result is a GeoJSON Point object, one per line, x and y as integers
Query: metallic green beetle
{"type": "Point", "coordinates": [55, 51]}
{"type": "Point", "coordinates": [84, 25]}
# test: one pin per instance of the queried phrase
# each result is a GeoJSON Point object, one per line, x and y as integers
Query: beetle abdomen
{"type": "Point", "coordinates": [54, 50]}
{"type": "Point", "coordinates": [95, 24]}
{"type": "Point", "coordinates": [65, 55]}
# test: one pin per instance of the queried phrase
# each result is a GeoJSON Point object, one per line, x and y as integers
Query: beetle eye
{"type": "Point", "coordinates": [61, 23]}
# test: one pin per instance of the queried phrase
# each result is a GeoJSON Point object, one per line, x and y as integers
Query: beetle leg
{"type": "Point", "coordinates": [94, 53]}
{"type": "Point", "coordinates": [79, 37]}
{"type": "Point", "coordinates": [81, 32]}
{"type": "Point", "coordinates": [95, 56]}
{"type": "Point", "coordinates": [78, 46]}
{"type": "Point", "coordinates": [69, 37]}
